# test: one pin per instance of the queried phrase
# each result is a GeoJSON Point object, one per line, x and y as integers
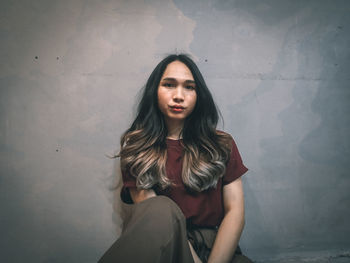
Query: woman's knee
{"type": "Point", "coordinates": [159, 211]}
{"type": "Point", "coordinates": [163, 206]}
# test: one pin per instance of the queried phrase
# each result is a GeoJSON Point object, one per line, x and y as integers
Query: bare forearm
{"type": "Point", "coordinates": [228, 237]}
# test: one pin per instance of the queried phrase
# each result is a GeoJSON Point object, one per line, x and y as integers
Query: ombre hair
{"type": "Point", "coordinates": [143, 151]}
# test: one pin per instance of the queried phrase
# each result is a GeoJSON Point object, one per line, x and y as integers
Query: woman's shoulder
{"type": "Point", "coordinates": [225, 138]}
{"type": "Point", "coordinates": [223, 133]}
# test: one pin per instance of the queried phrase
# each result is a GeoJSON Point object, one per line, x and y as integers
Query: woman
{"type": "Point", "coordinates": [181, 174]}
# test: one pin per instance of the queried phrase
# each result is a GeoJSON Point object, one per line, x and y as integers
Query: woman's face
{"type": "Point", "coordinates": [176, 92]}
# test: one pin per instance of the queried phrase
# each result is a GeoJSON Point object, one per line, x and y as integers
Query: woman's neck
{"type": "Point", "coordinates": [174, 130]}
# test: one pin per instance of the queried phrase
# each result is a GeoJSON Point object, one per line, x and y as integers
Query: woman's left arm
{"type": "Point", "coordinates": [232, 225]}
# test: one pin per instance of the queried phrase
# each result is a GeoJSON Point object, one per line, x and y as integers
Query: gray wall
{"type": "Point", "coordinates": [69, 75]}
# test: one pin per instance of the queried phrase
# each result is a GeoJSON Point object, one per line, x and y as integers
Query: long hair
{"type": "Point", "coordinates": [143, 151]}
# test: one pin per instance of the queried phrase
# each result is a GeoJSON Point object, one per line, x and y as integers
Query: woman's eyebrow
{"type": "Point", "coordinates": [173, 79]}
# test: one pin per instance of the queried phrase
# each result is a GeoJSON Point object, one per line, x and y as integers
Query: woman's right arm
{"type": "Point", "coordinates": [140, 195]}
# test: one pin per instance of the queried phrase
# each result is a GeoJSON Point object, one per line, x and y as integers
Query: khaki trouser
{"type": "Point", "coordinates": [154, 231]}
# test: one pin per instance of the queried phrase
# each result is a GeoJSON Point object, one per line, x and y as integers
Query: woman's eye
{"type": "Point", "coordinates": [190, 87]}
{"type": "Point", "coordinates": [168, 85]}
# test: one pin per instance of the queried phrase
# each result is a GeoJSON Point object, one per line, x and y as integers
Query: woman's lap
{"type": "Point", "coordinates": [154, 231]}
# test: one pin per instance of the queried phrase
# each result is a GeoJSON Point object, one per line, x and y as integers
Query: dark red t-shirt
{"type": "Point", "coordinates": [204, 209]}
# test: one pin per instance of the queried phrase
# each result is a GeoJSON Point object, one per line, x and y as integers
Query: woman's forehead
{"type": "Point", "coordinates": [177, 70]}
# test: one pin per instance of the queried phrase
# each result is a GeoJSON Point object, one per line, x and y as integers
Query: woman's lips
{"type": "Point", "coordinates": [177, 108]}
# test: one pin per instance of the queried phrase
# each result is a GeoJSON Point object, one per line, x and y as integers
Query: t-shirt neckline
{"type": "Point", "coordinates": [173, 141]}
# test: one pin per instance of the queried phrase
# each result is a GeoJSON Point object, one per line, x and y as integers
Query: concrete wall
{"type": "Point", "coordinates": [69, 75]}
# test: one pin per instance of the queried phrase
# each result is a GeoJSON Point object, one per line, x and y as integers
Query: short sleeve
{"type": "Point", "coordinates": [128, 181]}
{"type": "Point", "coordinates": [235, 167]}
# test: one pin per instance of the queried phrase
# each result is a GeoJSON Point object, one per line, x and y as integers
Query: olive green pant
{"type": "Point", "coordinates": [154, 231]}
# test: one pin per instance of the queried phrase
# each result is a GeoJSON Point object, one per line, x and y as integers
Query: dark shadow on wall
{"type": "Point", "coordinates": [121, 210]}
{"type": "Point", "coordinates": [318, 194]}
{"type": "Point", "coordinates": [117, 184]}
{"type": "Point", "coordinates": [326, 148]}
{"type": "Point", "coordinates": [255, 220]}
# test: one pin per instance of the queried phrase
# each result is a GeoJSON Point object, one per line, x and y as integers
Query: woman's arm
{"type": "Point", "coordinates": [140, 195]}
{"type": "Point", "coordinates": [231, 226]}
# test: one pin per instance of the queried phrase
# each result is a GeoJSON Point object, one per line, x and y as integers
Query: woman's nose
{"type": "Point", "coordinates": [178, 94]}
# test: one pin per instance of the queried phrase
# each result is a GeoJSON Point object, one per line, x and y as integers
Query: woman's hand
{"type": "Point", "coordinates": [141, 195]}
